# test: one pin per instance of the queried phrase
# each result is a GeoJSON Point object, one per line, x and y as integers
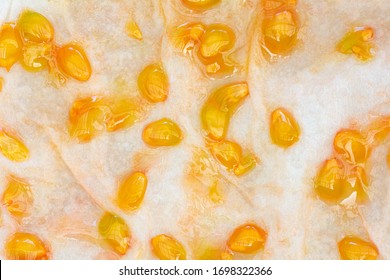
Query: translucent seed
{"type": "Point", "coordinates": [355, 248]}
{"type": "Point", "coordinates": [163, 132]}
{"type": "Point", "coordinates": [247, 239]}
{"type": "Point", "coordinates": [35, 56]}
{"type": "Point", "coordinates": [215, 193]}
{"type": "Point", "coordinates": [25, 246]}
{"type": "Point", "coordinates": [331, 184]}
{"type": "Point", "coordinates": [131, 191]}
{"type": "Point", "coordinates": [280, 32]}
{"type": "Point", "coordinates": [17, 197]}
{"type": "Point", "coordinates": [351, 144]}
{"type": "Point", "coordinates": [245, 165]}
{"type": "Point", "coordinates": [184, 37]}
{"type": "Point", "coordinates": [133, 31]}
{"type": "Point", "coordinates": [168, 248]}
{"type": "Point", "coordinates": [12, 147]}
{"type": "Point", "coordinates": [86, 117]}
{"type": "Point", "coordinates": [153, 83]}
{"type": "Point", "coordinates": [227, 153]}
{"type": "Point", "coordinates": [221, 104]}
{"type": "Point", "coordinates": [73, 62]}
{"type": "Point", "coordinates": [217, 38]}
{"type": "Point", "coordinates": [358, 42]}
{"type": "Point", "coordinates": [284, 130]}
{"type": "Point", "coordinates": [124, 112]}
{"type": "Point", "coordinates": [115, 232]}
{"type": "Point", "coordinates": [200, 5]}
{"type": "Point", "coordinates": [34, 27]}
{"type": "Point", "coordinates": [10, 46]}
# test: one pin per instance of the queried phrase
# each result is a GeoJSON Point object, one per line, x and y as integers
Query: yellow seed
{"type": "Point", "coordinates": [245, 165]}
{"type": "Point", "coordinates": [25, 246]}
{"type": "Point", "coordinates": [34, 27]}
{"type": "Point", "coordinates": [132, 30]}
{"type": "Point", "coordinates": [132, 191]}
{"type": "Point", "coordinates": [10, 46]}
{"type": "Point", "coordinates": [163, 132]}
{"type": "Point", "coordinates": [153, 83]}
{"type": "Point", "coordinates": [215, 193]}
{"type": "Point", "coordinates": [186, 36]}
{"type": "Point", "coordinates": [358, 42]}
{"type": "Point", "coordinates": [167, 248]}
{"type": "Point", "coordinates": [352, 145]}
{"type": "Point", "coordinates": [284, 130]}
{"type": "Point", "coordinates": [86, 117]}
{"type": "Point", "coordinates": [115, 232]}
{"type": "Point", "coordinates": [227, 153]}
{"type": "Point", "coordinates": [331, 184]}
{"type": "Point", "coordinates": [12, 147]}
{"type": "Point", "coordinates": [355, 248]}
{"type": "Point", "coordinates": [73, 62]}
{"type": "Point", "coordinates": [124, 112]}
{"type": "Point", "coordinates": [220, 106]}
{"type": "Point", "coordinates": [200, 5]}
{"type": "Point", "coordinates": [36, 56]}
{"type": "Point", "coordinates": [17, 197]}
{"type": "Point", "coordinates": [359, 182]}
{"type": "Point", "coordinates": [218, 38]}
{"type": "Point", "coordinates": [280, 32]}
{"type": "Point", "coordinates": [247, 239]}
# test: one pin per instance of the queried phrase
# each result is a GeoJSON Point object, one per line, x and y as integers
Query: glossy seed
{"type": "Point", "coordinates": [246, 164]}
{"type": "Point", "coordinates": [10, 46]}
{"type": "Point", "coordinates": [115, 232]}
{"type": "Point", "coordinates": [220, 106]}
{"type": "Point", "coordinates": [12, 147]}
{"type": "Point", "coordinates": [228, 153]}
{"type": "Point", "coordinates": [133, 30]}
{"type": "Point", "coordinates": [331, 183]}
{"type": "Point", "coordinates": [153, 83]}
{"type": "Point", "coordinates": [34, 27]}
{"type": "Point", "coordinates": [247, 239]}
{"type": "Point", "coordinates": [132, 191]}
{"type": "Point", "coordinates": [280, 33]}
{"type": "Point", "coordinates": [123, 112]}
{"type": "Point", "coordinates": [73, 62]}
{"type": "Point", "coordinates": [167, 248]}
{"type": "Point", "coordinates": [359, 182]}
{"type": "Point", "coordinates": [86, 117]}
{"type": "Point", "coordinates": [200, 5]}
{"type": "Point", "coordinates": [284, 130]}
{"type": "Point", "coordinates": [186, 36]}
{"type": "Point", "coordinates": [163, 132]}
{"type": "Point", "coordinates": [25, 246]}
{"type": "Point", "coordinates": [351, 144]}
{"type": "Point", "coordinates": [17, 197]}
{"type": "Point", "coordinates": [355, 248]}
{"type": "Point", "coordinates": [358, 42]}
{"type": "Point", "coordinates": [218, 38]}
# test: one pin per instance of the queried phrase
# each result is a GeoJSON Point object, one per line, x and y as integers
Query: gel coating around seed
{"type": "Point", "coordinates": [358, 42]}
{"type": "Point", "coordinates": [25, 246]}
{"type": "Point", "coordinates": [355, 248]}
{"type": "Point", "coordinates": [163, 132]}
{"type": "Point", "coordinates": [247, 239]}
{"type": "Point", "coordinates": [132, 191]}
{"type": "Point", "coordinates": [166, 247]}
{"type": "Point", "coordinates": [115, 232]}
{"type": "Point", "coordinates": [352, 145]}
